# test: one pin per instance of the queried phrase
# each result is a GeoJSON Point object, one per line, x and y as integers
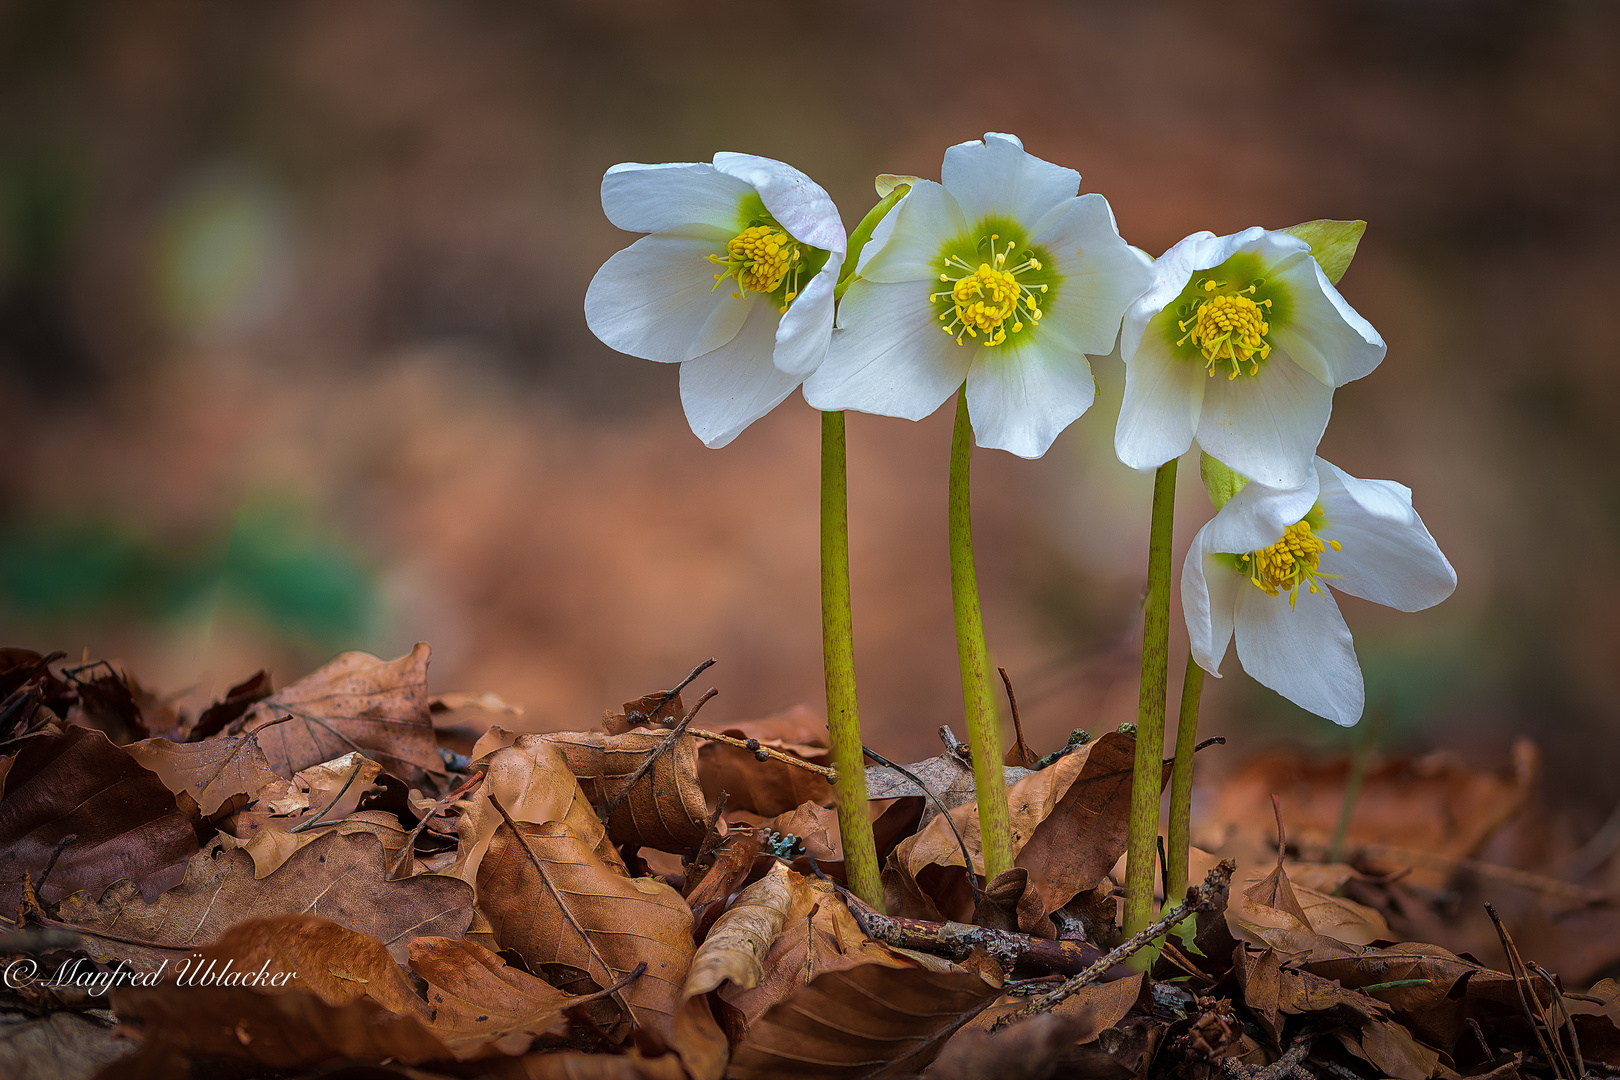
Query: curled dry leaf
{"type": "Point", "coordinates": [548, 895]}
{"type": "Point", "coordinates": [1271, 910]}
{"type": "Point", "coordinates": [271, 843]}
{"type": "Point", "coordinates": [211, 772]}
{"type": "Point", "coordinates": [1030, 1047]}
{"type": "Point", "coordinates": [1069, 827]}
{"type": "Point", "coordinates": [236, 701]}
{"type": "Point", "coordinates": [739, 939]}
{"type": "Point", "coordinates": [356, 702]}
{"type": "Point", "coordinates": [861, 1021]}
{"type": "Point", "coordinates": [341, 877]}
{"type": "Point", "coordinates": [122, 819]}
{"type": "Point", "coordinates": [768, 787]}
{"type": "Point", "coordinates": [665, 808]}
{"type": "Point", "coordinates": [479, 1004]}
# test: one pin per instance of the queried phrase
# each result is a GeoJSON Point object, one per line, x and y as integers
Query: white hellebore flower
{"type": "Point", "coordinates": [1257, 572]}
{"type": "Point", "coordinates": [1239, 341]}
{"type": "Point", "coordinates": [1002, 276]}
{"type": "Point", "coordinates": [747, 335]}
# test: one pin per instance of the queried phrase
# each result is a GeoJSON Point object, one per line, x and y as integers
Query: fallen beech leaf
{"type": "Point", "coordinates": [733, 862]}
{"type": "Point", "coordinates": [271, 843]}
{"type": "Point", "coordinates": [341, 877]}
{"type": "Point", "coordinates": [1010, 903]}
{"type": "Point", "coordinates": [356, 702]}
{"type": "Point", "coordinates": [549, 896]}
{"type": "Point", "coordinates": [106, 702]}
{"type": "Point", "coordinates": [1272, 990]}
{"type": "Point", "coordinates": [768, 787]}
{"type": "Point", "coordinates": [665, 810]}
{"type": "Point", "coordinates": [1271, 910]}
{"type": "Point", "coordinates": [580, 1066]}
{"type": "Point", "coordinates": [946, 775]}
{"type": "Point", "coordinates": [1028, 1048]}
{"type": "Point", "coordinates": [1396, 1053]}
{"type": "Point", "coordinates": [477, 1002]}
{"type": "Point", "coordinates": [1069, 826]}
{"type": "Point", "coordinates": [1429, 972]}
{"type": "Point", "coordinates": [860, 1021]}
{"type": "Point", "coordinates": [741, 937]}
{"type": "Point", "coordinates": [123, 819]}
{"type": "Point", "coordinates": [236, 701]}
{"type": "Point", "coordinates": [816, 827]}
{"type": "Point", "coordinates": [532, 781]}
{"type": "Point", "coordinates": [211, 772]}
{"type": "Point", "coordinates": [818, 935]}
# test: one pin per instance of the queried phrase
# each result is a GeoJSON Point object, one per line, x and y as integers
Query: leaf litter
{"type": "Point", "coordinates": [323, 877]}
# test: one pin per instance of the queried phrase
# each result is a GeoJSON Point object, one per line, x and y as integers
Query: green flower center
{"type": "Point", "coordinates": [995, 285]}
{"type": "Point", "coordinates": [1224, 317]}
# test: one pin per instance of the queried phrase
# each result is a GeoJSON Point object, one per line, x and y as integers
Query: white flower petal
{"type": "Point", "coordinates": [1209, 591]}
{"type": "Point", "coordinates": [890, 357]}
{"type": "Point", "coordinates": [652, 198]}
{"type": "Point", "coordinates": [1257, 516]}
{"type": "Point", "coordinates": [1323, 333]}
{"type": "Point", "coordinates": [656, 299]}
{"type": "Point", "coordinates": [1163, 396]}
{"type": "Point", "coordinates": [997, 177]}
{"type": "Point", "coordinates": [1101, 274]}
{"type": "Point", "coordinates": [736, 384]}
{"type": "Point", "coordinates": [1266, 426]}
{"type": "Point", "coordinates": [1303, 652]}
{"type": "Point", "coordinates": [1386, 554]}
{"type": "Point", "coordinates": [807, 327]}
{"type": "Point", "coordinates": [1171, 272]}
{"type": "Point", "coordinates": [881, 232]}
{"type": "Point", "coordinates": [1022, 398]}
{"type": "Point", "coordinates": [923, 220]}
{"type": "Point", "coordinates": [797, 202]}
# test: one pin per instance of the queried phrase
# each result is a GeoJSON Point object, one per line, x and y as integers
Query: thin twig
{"type": "Point", "coordinates": [437, 808]}
{"type": "Point", "coordinates": [830, 774]}
{"type": "Point", "coordinates": [954, 746]}
{"type": "Point", "coordinates": [670, 695]}
{"type": "Point", "coordinates": [304, 826]}
{"type": "Point", "coordinates": [967, 860]}
{"type": "Point", "coordinates": [61, 846]}
{"type": "Point", "coordinates": [1568, 1021]}
{"type": "Point", "coordinates": [1200, 898]}
{"type": "Point", "coordinates": [956, 940]}
{"type": "Point", "coordinates": [1516, 968]}
{"type": "Point", "coordinates": [605, 813]}
{"type": "Point", "coordinates": [1026, 757]}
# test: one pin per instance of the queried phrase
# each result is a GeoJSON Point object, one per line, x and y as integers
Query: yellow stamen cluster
{"type": "Point", "coordinates": [1230, 328]}
{"type": "Point", "coordinates": [760, 258]}
{"type": "Point", "coordinates": [983, 299]}
{"type": "Point", "coordinates": [1293, 561]}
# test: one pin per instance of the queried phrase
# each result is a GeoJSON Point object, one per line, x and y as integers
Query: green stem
{"type": "Point", "coordinates": [978, 696]}
{"type": "Point", "coordinates": [838, 653]}
{"type": "Point", "coordinates": [1147, 778]}
{"type": "Point", "coordinates": [1352, 783]}
{"type": "Point", "coordinates": [1192, 688]}
{"type": "Point", "coordinates": [863, 233]}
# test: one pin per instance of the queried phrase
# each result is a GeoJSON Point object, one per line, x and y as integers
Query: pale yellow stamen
{"type": "Point", "coordinates": [984, 298]}
{"type": "Point", "coordinates": [1230, 328]}
{"type": "Point", "coordinates": [760, 258]}
{"type": "Point", "coordinates": [1293, 561]}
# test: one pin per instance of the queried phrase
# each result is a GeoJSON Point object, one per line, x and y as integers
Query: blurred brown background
{"type": "Point", "coordinates": [292, 357]}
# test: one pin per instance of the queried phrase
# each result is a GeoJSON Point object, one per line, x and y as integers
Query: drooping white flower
{"type": "Point", "coordinates": [1258, 572]}
{"type": "Point", "coordinates": [1240, 342]}
{"type": "Point", "coordinates": [1003, 277]}
{"type": "Point", "coordinates": [734, 282]}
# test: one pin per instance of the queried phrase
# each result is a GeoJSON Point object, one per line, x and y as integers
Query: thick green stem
{"type": "Point", "coordinates": [838, 653]}
{"type": "Point", "coordinates": [1192, 688]}
{"type": "Point", "coordinates": [978, 695]}
{"type": "Point", "coordinates": [1147, 778]}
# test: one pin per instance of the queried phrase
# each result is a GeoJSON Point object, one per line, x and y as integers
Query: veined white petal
{"type": "Point", "coordinates": [1386, 554]}
{"type": "Point", "coordinates": [728, 389]}
{"type": "Point", "coordinates": [797, 202]}
{"type": "Point", "coordinates": [923, 220]}
{"type": "Point", "coordinates": [889, 357]}
{"type": "Point", "coordinates": [652, 198]}
{"type": "Point", "coordinates": [1209, 591]}
{"type": "Point", "coordinates": [1022, 398]}
{"type": "Point", "coordinates": [807, 328]}
{"type": "Point", "coordinates": [1323, 333]}
{"type": "Point", "coordinates": [881, 232]}
{"type": "Point", "coordinates": [1171, 272]}
{"type": "Point", "coordinates": [1303, 652]}
{"type": "Point", "coordinates": [1266, 426]}
{"type": "Point", "coordinates": [1257, 516]}
{"type": "Point", "coordinates": [1101, 274]}
{"type": "Point", "coordinates": [997, 176]}
{"type": "Point", "coordinates": [1163, 396]}
{"type": "Point", "coordinates": [656, 299]}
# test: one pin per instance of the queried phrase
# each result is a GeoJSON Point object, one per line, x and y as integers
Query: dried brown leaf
{"type": "Point", "coordinates": [739, 939]}
{"type": "Point", "coordinates": [861, 1022]}
{"type": "Point", "coordinates": [548, 895]}
{"type": "Point", "coordinates": [341, 877]}
{"type": "Point", "coordinates": [767, 787]}
{"type": "Point", "coordinates": [1030, 1047]}
{"type": "Point", "coordinates": [236, 701]}
{"type": "Point", "coordinates": [270, 843]}
{"type": "Point", "coordinates": [478, 1003]}
{"type": "Point", "coordinates": [212, 772]}
{"type": "Point", "coordinates": [946, 775]}
{"type": "Point", "coordinates": [356, 702]}
{"type": "Point", "coordinates": [123, 819]}
{"type": "Point", "coordinates": [665, 808]}
{"type": "Point", "coordinates": [59, 1046]}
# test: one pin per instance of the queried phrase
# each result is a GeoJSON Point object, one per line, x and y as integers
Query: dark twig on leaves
{"type": "Point", "coordinates": [1537, 1018]}
{"type": "Point", "coordinates": [437, 808]}
{"type": "Point", "coordinates": [955, 940]}
{"type": "Point", "coordinates": [305, 826]}
{"type": "Point", "coordinates": [61, 846]}
{"type": "Point", "coordinates": [753, 746]}
{"type": "Point", "coordinates": [670, 695]}
{"type": "Point", "coordinates": [1026, 756]}
{"type": "Point", "coordinates": [1213, 740]}
{"type": "Point", "coordinates": [1566, 1021]}
{"type": "Point", "coordinates": [605, 812]}
{"type": "Point", "coordinates": [954, 746]}
{"type": "Point", "coordinates": [1201, 898]}
{"type": "Point", "coordinates": [967, 860]}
